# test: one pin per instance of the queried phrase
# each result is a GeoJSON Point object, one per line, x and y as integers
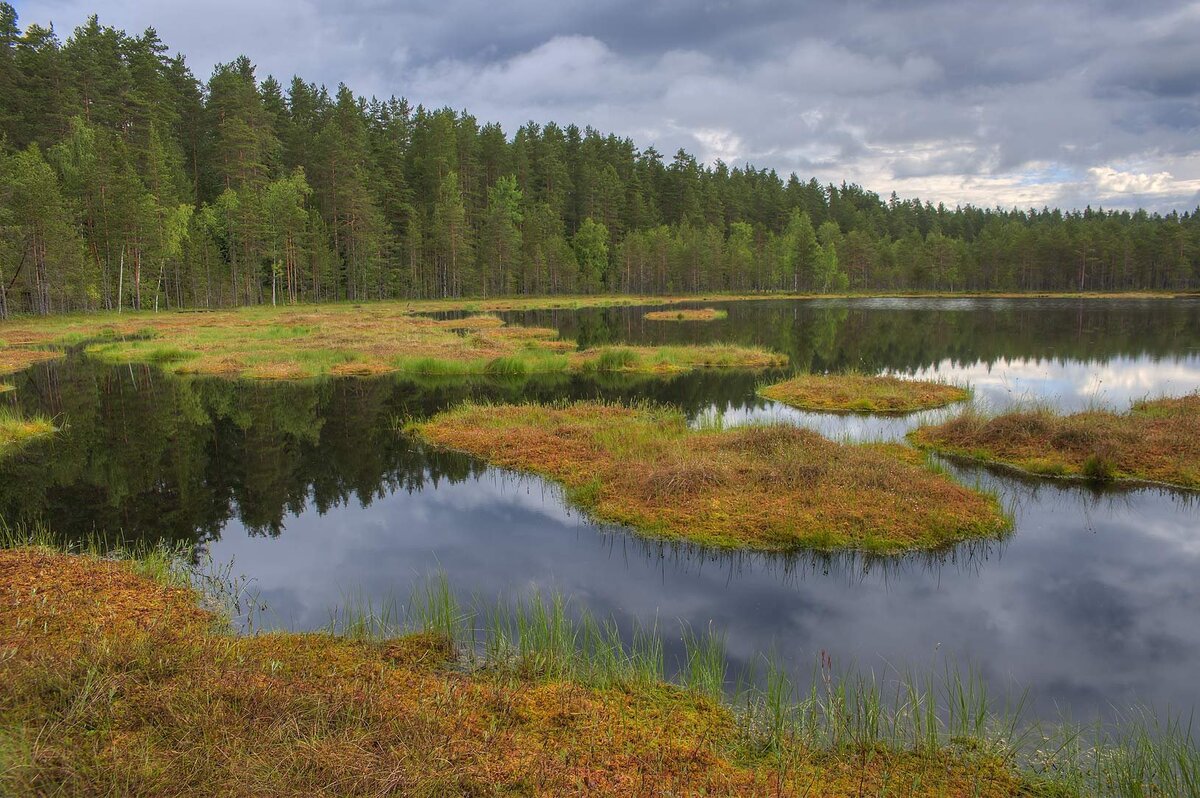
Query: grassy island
{"type": "Point", "coordinates": [699, 314]}
{"type": "Point", "coordinates": [773, 487]}
{"type": "Point", "coordinates": [292, 343]}
{"type": "Point", "coordinates": [860, 393]}
{"type": "Point", "coordinates": [1155, 441]}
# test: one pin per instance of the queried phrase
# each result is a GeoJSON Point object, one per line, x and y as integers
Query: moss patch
{"type": "Point", "coordinates": [700, 314]}
{"type": "Point", "coordinates": [114, 684]}
{"type": "Point", "coordinates": [859, 393]}
{"type": "Point", "coordinates": [289, 343]}
{"type": "Point", "coordinates": [1156, 441]}
{"type": "Point", "coordinates": [771, 488]}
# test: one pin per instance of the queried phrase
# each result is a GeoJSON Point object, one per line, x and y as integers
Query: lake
{"type": "Point", "coordinates": [1093, 603]}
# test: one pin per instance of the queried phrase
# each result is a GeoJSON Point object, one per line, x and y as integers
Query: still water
{"type": "Point", "coordinates": [1092, 605]}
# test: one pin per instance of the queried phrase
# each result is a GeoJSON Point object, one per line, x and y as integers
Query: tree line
{"type": "Point", "coordinates": [126, 182]}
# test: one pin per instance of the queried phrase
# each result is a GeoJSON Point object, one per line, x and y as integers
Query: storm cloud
{"type": "Point", "coordinates": [1026, 104]}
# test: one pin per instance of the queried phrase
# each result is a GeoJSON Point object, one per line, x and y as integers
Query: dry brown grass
{"type": "Point", "coordinates": [294, 343]}
{"type": "Point", "coordinates": [773, 488]}
{"type": "Point", "coordinates": [860, 393]}
{"type": "Point", "coordinates": [1156, 441]}
{"type": "Point", "coordinates": [13, 359]}
{"type": "Point", "coordinates": [113, 684]}
{"type": "Point", "coordinates": [699, 314]}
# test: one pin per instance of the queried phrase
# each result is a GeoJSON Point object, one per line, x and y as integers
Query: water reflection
{"type": "Point", "coordinates": [307, 487]}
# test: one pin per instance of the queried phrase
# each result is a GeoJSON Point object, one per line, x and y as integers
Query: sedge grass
{"type": "Point", "coordinates": [17, 429]}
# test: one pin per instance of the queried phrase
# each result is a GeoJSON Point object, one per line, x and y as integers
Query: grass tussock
{"type": "Point", "coordinates": [687, 314]}
{"type": "Point", "coordinates": [17, 429]}
{"type": "Point", "coordinates": [1155, 441]}
{"type": "Point", "coordinates": [774, 487]}
{"type": "Point", "coordinates": [860, 393]}
{"type": "Point", "coordinates": [339, 340]}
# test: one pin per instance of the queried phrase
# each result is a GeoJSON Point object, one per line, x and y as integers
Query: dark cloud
{"type": "Point", "coordinates": [1014, 103]}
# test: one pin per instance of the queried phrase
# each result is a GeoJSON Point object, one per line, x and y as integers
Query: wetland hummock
{"type": "Point", "coordinates": [860, 393]}
{"type": "Point", "coordinates": [774, 487]}
{"type": "Point", "coordinates": [1155, 441]}
{"type": "Point", "coordinates": [697, 314]}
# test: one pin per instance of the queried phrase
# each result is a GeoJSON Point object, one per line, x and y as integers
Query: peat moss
{"type": "Point", "coordinates": [1156, 441]}
{"type": "Point", "coordinates": [113, 683]}
{"type": "Point", "coordinates": [860, 393]}
{"type": "Point", "coordinates": [296, 343]}
{"type": "Point", "coordinates": [697, 314]}
{"type": "Point", "coordinates": [774, 487]}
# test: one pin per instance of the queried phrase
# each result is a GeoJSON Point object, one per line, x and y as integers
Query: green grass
{"type": "Point", "coordinates": [18, 429]}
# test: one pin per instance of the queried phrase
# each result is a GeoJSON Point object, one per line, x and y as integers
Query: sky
{"type": "Point", "coordinates": [1025, 104]}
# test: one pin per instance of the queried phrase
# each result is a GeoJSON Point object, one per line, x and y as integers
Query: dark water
{"type": "Point", "coordinates": [1093, 604]}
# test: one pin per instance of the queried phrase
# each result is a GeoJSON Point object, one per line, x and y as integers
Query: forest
{"type": "Point", "coordinates": [128, 183]}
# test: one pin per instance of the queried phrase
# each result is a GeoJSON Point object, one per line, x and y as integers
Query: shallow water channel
{"type": "Point", "coordinates": [1093, 604]}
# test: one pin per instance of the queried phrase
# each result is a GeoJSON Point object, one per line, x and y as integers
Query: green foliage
{"type": "Point", "coordinates": [158, 190]}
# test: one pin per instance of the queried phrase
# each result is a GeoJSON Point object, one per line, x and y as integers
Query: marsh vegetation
{"type": "Point", "coordinates": [697, 314]}
{"type": "Point", "coordinates": [16, 428]}
{"type": "Point", "coordinates": [863, 393]}
{"type": "Point", "coordinates": [774, 487]}
{"type": "Point", "coordinates": [260, 472]}
{"type": "Point", "coordinates": [1156, 440]}
{"type": "Point", "coordinates": [530, 697]}
{"type": "Point", "coordinates": [343, 340]}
